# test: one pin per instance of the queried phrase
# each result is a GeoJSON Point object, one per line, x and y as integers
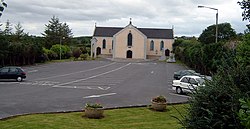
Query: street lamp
{"type": "Point", "coordinates": [216, 34]}
{"type": "Point", "coordinates": [61, 47]}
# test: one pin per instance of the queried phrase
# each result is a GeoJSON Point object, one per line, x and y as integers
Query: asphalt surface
{"type": "Point", "coordinates": [68, 86]}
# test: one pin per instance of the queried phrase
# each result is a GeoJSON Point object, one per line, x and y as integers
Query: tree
{"type": "Point", "coordinates": [245, 4]}
{"type": "Point", "coordinates": [225, 33]}
{"type": "Point", "coordinates": [4, 50]}
{"type": "Point", "coordinates": [215, 105]}
{"type": "Point", "coordinates": [243, 51]}
{"type": "Point", "coordinates": [2, 6]}
{"type": "Point", "coordinates": [56, 32]}
{"type": "Point", "coordinates": [8, 29]}
{"type": "Point", "coordinates": [19, 33]}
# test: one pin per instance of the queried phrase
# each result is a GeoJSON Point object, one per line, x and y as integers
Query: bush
{"type": "Point", "coordinates": [84, 56]}
{"type": "Point", "coordinates": [64, 50]}
{"type": "Point", "coordinates": [216, 105]}
{"type": "Point", "coordinates": [244, 113]}
{"type": "Point", "coordinates": [160, 99]}
{"type": "Point", "coordinates": [77, 52]}
{"type": "Point", "coordinates": [95, 105]}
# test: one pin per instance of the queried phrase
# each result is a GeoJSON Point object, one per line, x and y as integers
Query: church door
{"type": "Point", "coordinates": [129, 54]}
{"type": "Point", "coordinates": [167, 52]}
{"type": "Point", "coordinates": [98, 51]}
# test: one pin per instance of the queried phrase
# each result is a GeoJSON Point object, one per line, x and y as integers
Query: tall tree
{"type": "Point", "coordinates": [19, 32]}
{"type": "Point", "coordinates": [8, 28]}
{"type": "Point", "coordinates": [245, 5]}
{"type": "Point", "coordinates": [4, 49]}
{"type": "Point", "coordinates": [56, 32]}
{"type": "Point", "coordinates": [225, 33]}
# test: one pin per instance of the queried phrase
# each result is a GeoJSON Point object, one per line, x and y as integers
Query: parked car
{"type": "Point", "coordinates": [181, 73]}
{"type": "Point", "coordinates": [187, 84]}
{"type": "Point", "coordinates": [12, 73]}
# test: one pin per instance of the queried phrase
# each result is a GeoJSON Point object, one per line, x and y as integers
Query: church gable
{"type": "Point", "coordinates": [130, 41]}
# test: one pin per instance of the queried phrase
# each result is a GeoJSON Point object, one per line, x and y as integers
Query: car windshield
{"type": "Point", "coordinates": [200, 80]}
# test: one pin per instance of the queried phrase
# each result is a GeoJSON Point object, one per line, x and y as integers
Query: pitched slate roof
{"type": "Point", "coordinates": [106, 31]}
{"type": "Point", "coordinates": [149, 32]}
{"type": "Point", "coordinates": [157, 33]}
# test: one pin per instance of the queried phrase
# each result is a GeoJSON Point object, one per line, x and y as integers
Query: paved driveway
{"type": "Point", "coordinates": [69, 86]}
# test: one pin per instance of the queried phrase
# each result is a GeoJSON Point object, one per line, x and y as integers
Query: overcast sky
{"type": "Point", "coordinates": [81, 15]}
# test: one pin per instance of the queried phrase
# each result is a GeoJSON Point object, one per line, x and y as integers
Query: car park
{"type": "Point", "coordinates": [12, 73]}
{"type": "Point", "coordinates": [187, 84]}
{"type": "Point", "coordinates": [179, 74]}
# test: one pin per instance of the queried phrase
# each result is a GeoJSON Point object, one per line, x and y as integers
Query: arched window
{"type": "Point", "coordinates": [112, 44]}
{"type": "Point", "coordinates": [152, 45]}
{"type": "Point", "coordinates": [162, 45]}
{"type": "Point", "coordinates": [104, 44]}
{"type": "Point", "coordinates": [130, 38]}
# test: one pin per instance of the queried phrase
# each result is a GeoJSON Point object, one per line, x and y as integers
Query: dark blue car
{"type": "Point", "coordinates": [12, 73]}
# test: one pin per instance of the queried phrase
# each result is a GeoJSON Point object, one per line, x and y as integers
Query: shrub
{"type": "Point", "coordinates": [77, 52]}
{"type": "Point", "coordinates": [84, 56]}
{"type": "Point", "coordinates": [64, 50]}
{"type": "Point", "coordinates": [244, 112]}
{"type": "Point", "coordinates": [216, 105]}
{"type": "Point", "coordinates": [95, 105]}
{"type": "Point", "coordinates": [160, 99]}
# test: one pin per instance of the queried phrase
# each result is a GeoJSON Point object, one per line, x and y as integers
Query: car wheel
{"type": "Point", "coordinates": [19, 79]}
{"type": "Point", "coordinates": [178, 90]}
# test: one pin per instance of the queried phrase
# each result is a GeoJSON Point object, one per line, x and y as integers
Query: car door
{"type": "Point", "coordinates": [12, 74]}
{"type": "Point", "coordinates": [3, 73]}
{"type": "Point", "coordinates": [184, 83]}
{"type": "Point", "coordinates": [193, 83]}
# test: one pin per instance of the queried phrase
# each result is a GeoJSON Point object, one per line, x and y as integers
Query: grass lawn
{"type": "Point", "coordinates": [128, 118]}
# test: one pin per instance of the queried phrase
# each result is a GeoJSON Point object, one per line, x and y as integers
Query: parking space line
{"type": "Point", "coordinates": [32, 71]}
{"type": "Point", "coordinates": [97, 96]}
{"type": "Point", "coordinates": [4, 83]}
{"type": "Point", "coordinates": [83, 87]}
{"type": "Point", "coordinates": [76, 72]}
{"type": "Point", "coordinates": [93, 76]}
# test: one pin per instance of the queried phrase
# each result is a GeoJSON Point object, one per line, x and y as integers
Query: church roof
{"type": "Point", "coordinates": [106, 31]}
{"type": "Point", "coordinates": [149, 32]}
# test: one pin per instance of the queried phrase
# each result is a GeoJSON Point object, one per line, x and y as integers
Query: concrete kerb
{"type": "Point", "coordinates": [111, 108]}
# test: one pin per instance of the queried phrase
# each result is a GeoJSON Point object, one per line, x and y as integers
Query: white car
{"type": "Point", "coordinates": [187, 84]}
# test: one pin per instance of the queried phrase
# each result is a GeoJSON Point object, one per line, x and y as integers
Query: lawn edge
{"type": "Point", "coordinates": [59, 112]}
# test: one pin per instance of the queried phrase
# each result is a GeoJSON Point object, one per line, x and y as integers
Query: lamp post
{"type": "Point", "coordinates": [61, 47]}
{"type": "Point", "coordinates": [216, 33]}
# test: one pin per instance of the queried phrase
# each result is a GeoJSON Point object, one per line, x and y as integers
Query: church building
{"type": "Point", "coordinates": [132, 42]}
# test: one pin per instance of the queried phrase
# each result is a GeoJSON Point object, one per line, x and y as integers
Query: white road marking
{"type": "Point", "coordinates": [104, 88]}
{"type": "Point", "coordinates": [93, 76]}
{"type": "Point", "coordinates": [180, 95]}
{"type": "Point", "coordinates": [33, 71]}
{"type": "Point", "coordinates": [39, 83]}
{"type": "Point", "coordinates": [76, 72]}
{"type": "Point", "coordinates": [6, 83]}
{"type": "Point", "coordinates": [152, 72]}
{"type": "Point", "coordinates": [83, 87]}
{"type": "Point", "coordinates": [97, 96]}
